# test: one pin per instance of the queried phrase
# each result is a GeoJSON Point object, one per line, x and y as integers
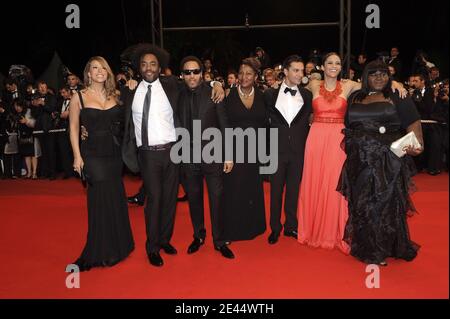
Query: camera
{"type": "Point", "coordinates": [126, 67]}
{"type": "Point", "coordinates": [281, 76]}
{"type": "Point", "coordinates": [56, 119]}
{"type": "Point", "coordinates": [16, 117]}
{"type": "Point", "coordinates": [127, 70]}
{"type": "Point", "coordinates": [441, 89]}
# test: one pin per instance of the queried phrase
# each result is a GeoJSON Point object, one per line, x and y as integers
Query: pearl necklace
{"type": "Point", "coordinates": [246, 96]}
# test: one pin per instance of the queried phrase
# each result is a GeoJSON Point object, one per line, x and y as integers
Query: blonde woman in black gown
{"type": "Point", "coordinates": [97, 109]}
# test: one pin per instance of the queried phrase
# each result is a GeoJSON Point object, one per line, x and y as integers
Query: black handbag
{"type": "Point", "coordinates": [85, 180]}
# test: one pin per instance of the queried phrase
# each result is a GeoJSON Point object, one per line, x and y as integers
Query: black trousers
{"type": "Point", "coordinates": [12, 165]}
{"type": "Point", "coordinates": [432, 157]}
{"type": "Point", "coordinates": [65, 152]}
{"type": "Point", "coordinates": [47, 162]}
{"type": "Point", "coordinates": [289, 173]}
{"type": "Point", "coordinates": [160, 178]}
{"type": "Point", "coordinates": [141, 192]}
{"type": "Point", "coordinates": [194, 175]}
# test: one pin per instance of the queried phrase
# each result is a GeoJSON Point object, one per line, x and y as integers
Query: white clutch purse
{"type": "Point", "coordinates": [398, 146]}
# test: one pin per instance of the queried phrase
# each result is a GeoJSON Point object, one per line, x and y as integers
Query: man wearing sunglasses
{"type": "Point", "coordinates": [150, 121]}
{"type": "Point", "coordinates": [195, 104]}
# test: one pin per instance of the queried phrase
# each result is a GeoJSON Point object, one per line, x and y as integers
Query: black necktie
{"type": "Point", "coordinates": [144, 127]}
{"type": "Point", "coordinates": [292, 91]}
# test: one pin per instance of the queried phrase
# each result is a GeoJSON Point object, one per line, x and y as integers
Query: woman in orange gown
{"type": "Point", "coordinates": [322, 210]}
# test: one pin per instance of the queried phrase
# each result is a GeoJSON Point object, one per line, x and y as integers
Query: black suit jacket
{"type": "Point", "coordinates": [171, 87]}
{"type": "Point", "coordinates": [397, 64]}
{"type": "Point", "coordinates": [426, 104]}
{"type": "Point", "coordinates": [291, 139]}
{"type": "Point", "coordinates": [211, 115]}
{"type": "Point", "coordinates": [42, 114]}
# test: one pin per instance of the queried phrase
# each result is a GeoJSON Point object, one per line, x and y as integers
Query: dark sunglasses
{"type": "Point", "coordinates": [377, 74]}
{"type": "Point", "coordinates": [194, 71]}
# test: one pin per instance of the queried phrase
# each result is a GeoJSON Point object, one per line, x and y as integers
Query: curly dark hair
{"type": "Point", "coordinates": [252, 63]}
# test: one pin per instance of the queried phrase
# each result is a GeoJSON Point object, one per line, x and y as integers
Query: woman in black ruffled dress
{"type": "Point", "coordinates": [374, 180]}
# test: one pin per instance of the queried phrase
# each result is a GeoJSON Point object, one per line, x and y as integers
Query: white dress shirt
{"type": "Point", "coordinates": [287, 104]}
{"type": "Point", "coordinates": [65, 105]}
{"type": "Point", "coordinates": [161, 129]}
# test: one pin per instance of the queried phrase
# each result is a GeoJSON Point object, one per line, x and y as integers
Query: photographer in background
{"type": "Point", "coordinates": [29, 147]}
{"type": "Point", "coordinates": [434, 76]}
{"type": "Point", "coordinates": [262, 57]}
{"type": "Point", "coordinates": [270, 79]}
{"type": "Point", "coordinates": [74, 83]}
{"type": "Point", "coordinates": [359, 66]}
{"type": "Point", "coordinates": [125, 74]}
{"type": "Point", "coordinates": [11, 158]}
{"type": "Point", "coordinates": [232, 79]}
{"type": "Point", "coordinates": [312, 71]}
{"type": "Point", "coordinates": [61, 121]}
{"type": "Point", "coordinates": [440, 114]}
{"type": "Point", "coordinates": [43, 105]}
{"type": "Point", "coordinates": [395, 61]}
{"type": "Point", "coordinates": [3, 135]}
{"type": "Point", "coordinates": [12, 93]}
{"type": "Point", "coordinates": [424, 98]}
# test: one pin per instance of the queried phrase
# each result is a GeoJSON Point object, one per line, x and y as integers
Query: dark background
{"type": "Point", "coordinates": [34, 30]}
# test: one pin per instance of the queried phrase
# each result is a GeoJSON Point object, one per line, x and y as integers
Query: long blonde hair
{"type": "Point", "coordinates": [110, 83]}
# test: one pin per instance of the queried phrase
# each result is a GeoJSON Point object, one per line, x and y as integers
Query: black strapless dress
{"type": "Point", "coordinates": [376, 184]}
{"type": "Point", "coordinates": [109, 238]}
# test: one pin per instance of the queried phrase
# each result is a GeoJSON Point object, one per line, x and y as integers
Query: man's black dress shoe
{"type": "Point", "coordinates": [195, 245]}
{"type": "Point", "coordinates": [434, 173]}
{"type": "Point", "coordinates": [182, 199]}
{"type": "Point", "coordinates": [292, 233]}
{"type": "Point", "coordinates": [273, 238]}
{"type": "Point", "coordinates": [225, 251]}
{"type": "Point", "coordinates": [135, 200]}
{"type": "Point", "coordinates": [155, 259]}
{"type": "Point", "coordinates": [169, 249]}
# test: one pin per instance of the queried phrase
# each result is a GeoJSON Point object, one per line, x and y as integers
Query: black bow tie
{"type": "Point", "coordinates": [292, 91]}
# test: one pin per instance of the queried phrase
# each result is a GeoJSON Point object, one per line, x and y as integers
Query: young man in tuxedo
{"type": "Point", "coordinates": [288, 108]}
{"type": "Point", "coordinates": [423, 97]}
{"type": "Point", "coordinates": [395, 61]}
{"type": "Point", "coordinates": [150, 121]}
{"type": "Point", "coordinates": [195, 104]}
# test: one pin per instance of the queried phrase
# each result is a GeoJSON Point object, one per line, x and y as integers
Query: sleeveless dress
{"type": "Point", "coordinates": [377, 183]}
{"type": "Point", "coordinates": [244, 215]}
{"type": "Point", "coordinates": [322, 210]}
{"type": "Point", "coordinates": [109, 237]}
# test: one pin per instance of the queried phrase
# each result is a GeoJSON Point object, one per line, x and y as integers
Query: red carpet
{"type": "Point", "coordinates": [43, 228]}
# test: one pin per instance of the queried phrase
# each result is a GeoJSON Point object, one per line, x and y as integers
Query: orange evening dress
{"type": "Point", "coordinates": [322, 210]}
